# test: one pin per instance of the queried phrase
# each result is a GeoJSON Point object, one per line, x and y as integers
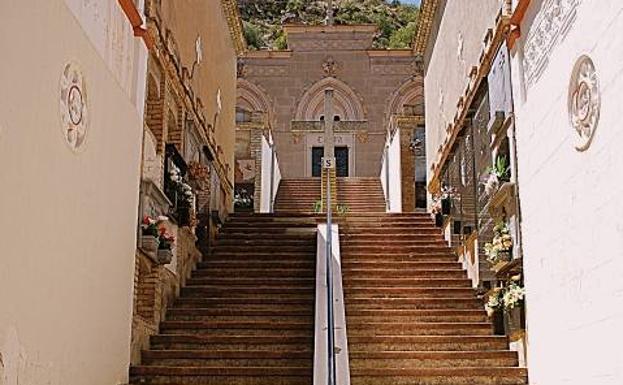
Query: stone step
{"type": "Point", "coordinates": [228, 358]}
{"type": "Point", "coordinates": [170, 375]}
{"type": "Point", "coordinates": [407, 292]}
{"type": "Point", "coordinates": [268, 241]}
{"type": "Point", "coordinates": [286, 282]}
{"type": "Point", "coordinates": [427, 343]}
{"type": "Point", "coordinates": [406, 273]}
{"type": "Point", "coordinates": [267, 341]}
{"type": "Point", "coordinates": [362, 329]}
{"type": "Point", "coordinates": [259, 264]}
{"type": "Point", "coordinates": [264, 255]}
{"type": "Point", "coordinates": [226, 299]}
{"type": "Point", "coordinates": [244, 291]}
{"type": "Point", "coordinates": [256, 273]}
{"type": "Point", "coordinates": [302, 237]}
{"type": "Point", "coordinates": [236, 328]}
{"type": "Point", "coordinates": [423, 359]}
{"type": "Point", "coordinates": [405, 282]}
{"type": "Point", "coordinates": [412, 303]}
{"type": "Point", "coordinates": [398, 265]}
{"type": "Point", "coordinates": [264, 248]}
{"type": "Point", "coordinates": [439, 376]}
{"type": "Point", "coordinates": [398, 257]}
{"type": "Point", "coordinates": [417, 315]}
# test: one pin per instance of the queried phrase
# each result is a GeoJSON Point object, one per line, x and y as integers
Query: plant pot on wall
{"type": "Point", "coordinates": [438, 219]}
{"type": "Point", "coordinates": [514, 319]}
{"type": "Point", "coordinates": [165, 256]}
{"type": "Point", "coordinates": [446, 206]}
{"type": "Point", "coordinates": [149, 244]}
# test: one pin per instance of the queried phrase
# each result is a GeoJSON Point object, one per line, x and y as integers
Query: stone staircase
{"type": "Point", "coordinates": [246, 315]}
{"type": "Point", "coordinates": [358, 194]}
{"type": "Point", "coordinates": [412, 315]}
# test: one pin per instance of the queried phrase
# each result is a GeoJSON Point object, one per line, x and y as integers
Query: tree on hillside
{"type": "Point", "coordinates": [263, 19]}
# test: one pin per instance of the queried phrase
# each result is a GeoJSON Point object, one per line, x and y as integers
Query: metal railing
{"type": "Point", "coordinates": [329, 269]}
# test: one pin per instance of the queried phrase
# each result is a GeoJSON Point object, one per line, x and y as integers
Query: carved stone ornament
{"type": "Point", "coordinates": [584, 102]}
{"type": "Point", "coordinates": [330, 67]}
{"type": "Point", "coordinates": [73, 106]}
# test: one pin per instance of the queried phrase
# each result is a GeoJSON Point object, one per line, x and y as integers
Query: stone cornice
{"type": "Point", "coordinates": [268, 54]}
{"type": "Point", "coordinates": [390, 52]}
{"type": "Point", "coordinates": [232, 15]}
{"type": "Point", "coordinates": [425, 25]}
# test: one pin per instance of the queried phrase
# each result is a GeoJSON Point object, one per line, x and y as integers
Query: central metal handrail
{"type": "Point", "coordinates": [329, 270]}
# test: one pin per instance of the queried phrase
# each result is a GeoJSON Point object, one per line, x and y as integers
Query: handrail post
{"type": "Point", "coordinates": [329, 269]}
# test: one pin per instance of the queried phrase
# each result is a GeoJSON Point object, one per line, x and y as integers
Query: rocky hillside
{"type": "Point", "coordinates": [263, 19]}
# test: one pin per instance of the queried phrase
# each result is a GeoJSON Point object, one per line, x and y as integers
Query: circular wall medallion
{"type": "Point", "coordinates": [73, 106]}
{"type": "Point", "coordinates": [584, 102]}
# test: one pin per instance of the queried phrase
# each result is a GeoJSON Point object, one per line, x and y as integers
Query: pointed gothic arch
{"type": "Point", "coordinates": [407, 100]}
{"type": "Point", "coordinates": [348, 105]}
{"type": "Point", "coordinates": [252, 99]}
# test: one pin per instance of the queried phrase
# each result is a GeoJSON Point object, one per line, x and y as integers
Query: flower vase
{"type": "Point", "coordinates": [438, 219]}
{"type": "Point", "coordinates": [446, 205]}
{"type": "Point", "coordinates": [165, 256]}
{"type": "Point", "coordinates": [514, 319]}
{"type": "Point", "coordinates": [149, 244]}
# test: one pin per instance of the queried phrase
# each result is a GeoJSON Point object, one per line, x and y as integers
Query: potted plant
{"type": "Point", "coordinates": [436, 211]}
{"type": "Point", "coordinates": [165, 253]}
{"type": "Point", "coordinates": [243, 200]}
{"type": "Point", "coordinates": [499, 250]}
{"type": "Point", "coordinates": [513, 298]}
{"type": "Point", "coordinates": [150, 235]}
{"type": "Point", "coordinates": [342, 209]}
{"type": "Point", "coordinates": [497, 174]}
{"type": "Point", "coordinates": [447, 193]}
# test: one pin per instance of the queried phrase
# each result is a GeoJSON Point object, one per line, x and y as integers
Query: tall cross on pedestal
{"type": "Point", "coordinates": [330, 19]}
{"type": "Point", "coordinates": [329, 139]}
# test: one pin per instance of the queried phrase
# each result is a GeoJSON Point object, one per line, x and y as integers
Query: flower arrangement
{"type": "Point", "coordinates": [185, 190]}
{"type": "Point", "coordinates": [150, 225]}
{"type": "Point", "coordinates": [500, 248]}
{"type": "Point", "coordinates": [500, 172]}
{"type": "Point", "coordinates": [513, 295]}
{"type": "Point", "coordinates": [507, 298]}
{"type": "Point", "coordinates": [175, 174]}
{"type": "Point", "coordinates": [242, 199]}
{"type": "Point", "coordinates": [166, 239]}
{"type": "Point", "coordinates": [494, 302]}
{"type": "Point", "coordinates": [441, 201]}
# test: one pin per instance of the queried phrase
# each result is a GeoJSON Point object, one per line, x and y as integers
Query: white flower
{"type": "Point", "coordinates": [492, 183]}
{"type": "Point", "coordinates": [162, 218]}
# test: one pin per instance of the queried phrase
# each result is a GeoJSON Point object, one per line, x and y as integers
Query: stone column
{"type": "Point", "coordinates": [407, 126]}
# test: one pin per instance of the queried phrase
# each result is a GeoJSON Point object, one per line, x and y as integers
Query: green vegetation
{"type": "Point", "coordinates": [263, 19]}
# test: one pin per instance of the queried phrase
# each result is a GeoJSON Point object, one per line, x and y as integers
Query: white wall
{"type": "Point", "coordinates": [391, 174]}
{"type": "Point", "coordinates": [456, 50]}
{"type": "Point", "coordinates": [265, 182]}
{"type": "Point", "coordinates": [571, 205]}
{"type": "Point", "coordinates": [267, 166]}
{"type": "Point", "coordinates": [68, 220]}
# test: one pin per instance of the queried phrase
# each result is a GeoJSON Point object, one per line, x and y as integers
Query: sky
{"type": "Point", "coordinates": [416, 2]}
